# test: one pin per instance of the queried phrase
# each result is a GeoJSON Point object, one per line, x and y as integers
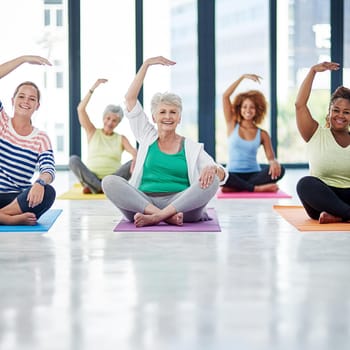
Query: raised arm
{"type": "Point", "coordinates": [305, 122]}
{"type": "Point", "coordinates": [226, 100]}
{"type": "Point", "coordinates": [83, 116]}
{"type": "Point", "coordinates": [128, 147]}
{"type": "Point", "coordinates": [11, 65]}
{"type": "Point", "coordinates": [135, 87]}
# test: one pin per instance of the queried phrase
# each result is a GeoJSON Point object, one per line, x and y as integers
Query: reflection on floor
{"type": "Point", "coordinates": [257, 284]}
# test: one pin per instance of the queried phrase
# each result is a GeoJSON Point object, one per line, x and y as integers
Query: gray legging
{"type": "Point", "coordinates": [129, 200]}
{"type": "Point", "coordinates": [89, 179]}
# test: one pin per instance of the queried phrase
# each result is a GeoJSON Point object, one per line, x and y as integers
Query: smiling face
{"type": "Point", "coordinates": [110, 122]}
{"type": "Point", "coordinates": [339, 114]}
{"type": "Point", "coordinates": [248, 110]}
{"type": "Point", "coordinates": [25, 100]}
{"type": "Point", "coordinates": [167, 117]}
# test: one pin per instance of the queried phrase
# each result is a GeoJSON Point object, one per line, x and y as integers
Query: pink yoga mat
{"type": "Point", "coordinates": [278, 194]}
{"type": "Point", "coordinates": [200, 226]}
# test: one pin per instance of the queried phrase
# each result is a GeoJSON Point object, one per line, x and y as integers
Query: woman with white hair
{"type": "Point", "coordinates": [174, 177]}
{"type": "Point", "coordinates": [105, 147]}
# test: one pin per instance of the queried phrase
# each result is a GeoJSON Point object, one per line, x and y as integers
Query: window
{"type": "Point", "coordinates": [45, 39]}
{"type": "Point", "coordinates": [346, 68]}
{"type": "Point", "coordinates": [59, 18]}
{"type": "Point", "coordinates": [59, 80]}
{"type": "Point", "coordinates": [47, 21]}
{"type": "Point", "coordinates": [174, 35]}
{"type": "Point", "coordinates": [108, 47]}
{"type": "Point", "coordinates": [242, 46]}
{"type": "Point", "coordinates": [59, 127]}
{"type": "Point", "coordinates": [303, 40]}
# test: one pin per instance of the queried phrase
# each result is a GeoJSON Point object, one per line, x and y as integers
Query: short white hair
{"type": "Point", "coordinates": [114, 109]}
{"type": "Point", "coordinates": [167, 98]}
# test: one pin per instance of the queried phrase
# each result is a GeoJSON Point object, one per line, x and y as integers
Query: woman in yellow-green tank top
{"type": "Point", "coordinates": [325, 194]}
{"type": "Point", "coordinates": [105, 147]}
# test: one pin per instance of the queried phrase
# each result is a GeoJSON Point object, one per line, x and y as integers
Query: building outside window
{"type": "Point", "coordinates": [346, 70]}
{"type": "Point", "coordinates": [42, 37]}
{"type": "Point", "coordinates": [242, 46]}
{"type": "Point", "coordinates": [303, 34]}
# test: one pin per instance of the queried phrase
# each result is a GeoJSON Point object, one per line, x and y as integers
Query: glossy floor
{"type": "Point", "coordinates": [258, 284]}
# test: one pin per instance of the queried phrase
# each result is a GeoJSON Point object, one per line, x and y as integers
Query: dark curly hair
{"type": "Point", "coordinates": [259, 101]}
{"type": "Point", "coordinates": [339, 92]}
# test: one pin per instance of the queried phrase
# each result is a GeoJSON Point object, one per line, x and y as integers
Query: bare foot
{"type": "Point", "coordinates": [28, 219]}
{"type": "Point", "coordinates": [326, 218]}
{"type": "Point", "coordinates": [86, 190]}
{"type": "Point", "coordinates": [177, 219]}
{"type": "Point", "coordinates": [225, 189]}
{"type": "Point", "coordinates": [266, 188]}
{"type": "Point", "coordinates": [141, 220]}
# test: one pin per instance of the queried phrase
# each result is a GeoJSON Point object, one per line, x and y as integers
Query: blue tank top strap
{"type": "Point", "coordinates": [243, 153]}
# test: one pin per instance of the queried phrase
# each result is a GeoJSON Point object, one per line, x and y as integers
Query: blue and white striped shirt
{"type": "Point", "coordinates": [21, 155]}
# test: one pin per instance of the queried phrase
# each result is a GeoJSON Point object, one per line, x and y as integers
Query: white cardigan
{"type": "Point", "coordinates": [146, 133]}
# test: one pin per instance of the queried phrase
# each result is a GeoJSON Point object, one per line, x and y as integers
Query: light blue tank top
{"type": "Point", "coordinates": [243, 153]}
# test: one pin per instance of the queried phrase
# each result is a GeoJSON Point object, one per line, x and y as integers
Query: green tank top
{"type": "Point", "coordinates": [164, 173]}
{"type": "Point", "coordinates": [104, 153]}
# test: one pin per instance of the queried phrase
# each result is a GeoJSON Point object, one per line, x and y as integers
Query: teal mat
{"type": "Point", "coordinates": [43, 224]}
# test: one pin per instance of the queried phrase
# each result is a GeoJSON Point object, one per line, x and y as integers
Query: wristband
{"type": "Point", "coordinates": [41, 182]}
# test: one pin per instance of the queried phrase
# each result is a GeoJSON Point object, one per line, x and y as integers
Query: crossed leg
{"type": "Point", "coordinates": [12, 214]}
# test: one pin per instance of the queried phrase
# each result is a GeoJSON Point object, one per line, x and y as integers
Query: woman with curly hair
{"type": "Point", "coordinates": [243, 116]}
{"type": "Point", "coordinates": [325, 193]}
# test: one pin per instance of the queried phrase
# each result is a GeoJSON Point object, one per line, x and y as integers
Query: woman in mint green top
{"type": "Point", "coordinates": [325, 194]}
{"type": "Point", "coordinates": [174, 177]}
{"type": "Point", "coordinates": [105, 147]}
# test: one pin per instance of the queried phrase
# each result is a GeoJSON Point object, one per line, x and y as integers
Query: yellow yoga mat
{"type": "Point", "coordinates": [76, 192]}
{"type": "Point", "coordinates": [296, 216]}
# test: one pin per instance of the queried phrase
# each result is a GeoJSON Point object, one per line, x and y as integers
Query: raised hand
{"type": "Point", "coordinates": [322, 67]}
{"type": "Point", "coordinates": [159, 60]}
{"type": "Point", "coordinates": [9, 66]}
{"type": "Point", "coordinates": [99, 82]}
{"type": "Point", "coordinates": [33, 59]}
{"type": "Point", "coordinates": [253, 77]}
{"type": "Point", "coordinates": [135, 86]}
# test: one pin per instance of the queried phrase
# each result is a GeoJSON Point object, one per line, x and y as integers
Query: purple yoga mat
{"type": "Point", "coordinates": [200, 226]}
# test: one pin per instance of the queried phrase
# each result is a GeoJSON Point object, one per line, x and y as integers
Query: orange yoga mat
{"type": "Point", "coordinates": [296, 216]}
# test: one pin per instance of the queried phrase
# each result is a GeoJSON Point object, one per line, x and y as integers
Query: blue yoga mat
{"type": "Point", "coordinates": [43, 224]}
